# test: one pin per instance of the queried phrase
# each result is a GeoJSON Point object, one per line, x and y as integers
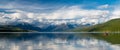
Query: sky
{"type": "Point", "coordinates": [42, 5]}
{"type": "Point", "coordinates": [85, 10]}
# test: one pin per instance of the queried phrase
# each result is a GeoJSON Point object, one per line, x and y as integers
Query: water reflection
{"type": "Point", "coordinates": [54, 42]}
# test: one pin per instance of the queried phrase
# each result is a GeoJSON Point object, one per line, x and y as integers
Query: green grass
{"type": "Point", "coordinates": [110, 26]}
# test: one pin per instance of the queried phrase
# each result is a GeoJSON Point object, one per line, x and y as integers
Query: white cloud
{"type": "Point", "coordinates": [76, 12]}
{"type": "Point", "coordinates": [73, 12]}
{"type": "Point", "coordinates": [115, 14]}
{"type": "Point", "coordinates": [8, 5]}
{"type": "Point", "coordinates": [103, 6]}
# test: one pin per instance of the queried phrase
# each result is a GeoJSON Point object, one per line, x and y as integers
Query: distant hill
{"type": "Point", "coordinates": [9, 28]}
{"type": "Point", "coordinates": [110, 26]}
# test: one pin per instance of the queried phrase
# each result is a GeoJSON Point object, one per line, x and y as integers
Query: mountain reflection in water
{"type": "Point", "coordinates": [56, 41]}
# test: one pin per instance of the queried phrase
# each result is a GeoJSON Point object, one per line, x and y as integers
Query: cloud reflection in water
{"type": "Point", "coordinates": [57, 43]}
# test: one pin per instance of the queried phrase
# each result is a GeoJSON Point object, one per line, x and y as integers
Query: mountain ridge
{"type": "Point", "coordinates": [109, 26]}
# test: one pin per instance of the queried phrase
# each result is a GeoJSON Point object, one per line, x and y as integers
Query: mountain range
{"type": "Point", "coordinates": [47, 28]}
{"type": "Point", "coordinates": [44, 27]}
{"type": "Point", "coordinates": [111, 25]}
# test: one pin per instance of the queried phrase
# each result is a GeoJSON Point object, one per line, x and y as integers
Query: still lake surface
{"type": "Point", "coordinates": [55, 41]}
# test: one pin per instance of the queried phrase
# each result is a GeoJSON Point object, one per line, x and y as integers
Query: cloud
{"type": "Point", "coordinates": [76, 12]}
{"type": "Point", "coordinates": [73, 12]}
{"type": "Point", "coordinates": [36, 11]}
{"type": "Point", "coordinates": [83, 16]}
{"type": "Point", "coordinates": [103, 6]}
{"type": "Point", "coordinates": [115, 14]}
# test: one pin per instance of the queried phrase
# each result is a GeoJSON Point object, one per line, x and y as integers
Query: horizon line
{"type": "Point", "coordinates": [60, 32]}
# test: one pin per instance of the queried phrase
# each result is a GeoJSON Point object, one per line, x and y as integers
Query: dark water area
{"type": "Point", "coordinates": [53, 41]}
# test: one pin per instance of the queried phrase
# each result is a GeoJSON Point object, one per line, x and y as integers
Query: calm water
{"type": "Point", "coordinates": [46, 41]}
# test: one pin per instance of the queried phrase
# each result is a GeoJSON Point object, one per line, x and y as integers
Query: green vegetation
{"type": "Point", "coordinates": [6, 31]}
{"type": "Point", "coordinates": [8, 28]}
{"type": "Point", "coordinates": [110, 26]}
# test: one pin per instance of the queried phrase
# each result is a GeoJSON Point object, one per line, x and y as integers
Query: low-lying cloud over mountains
{"type": "Point", "coordinates": [73, 12]}
{"type": "Point", "coordinates": [36, 11]}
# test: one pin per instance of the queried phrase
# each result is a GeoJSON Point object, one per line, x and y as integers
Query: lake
{"type": "Point", "coordinates": [54, 41]}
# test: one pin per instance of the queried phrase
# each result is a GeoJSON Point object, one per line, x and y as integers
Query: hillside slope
{"type": "Point", "coordinates": [9, 28]}
{"type": "Point", "coordinates": [110, 26]}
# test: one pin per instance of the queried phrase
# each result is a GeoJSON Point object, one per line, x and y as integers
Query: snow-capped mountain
{"type": "Point", "coordinates": [61, 19]}
{"type": "Point", "coordinates": [46, 25]}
